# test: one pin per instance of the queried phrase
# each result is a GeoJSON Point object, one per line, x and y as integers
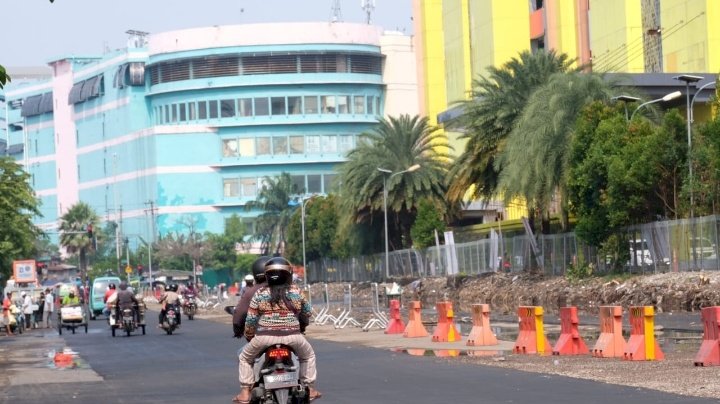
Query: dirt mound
{"type": "Point", "coordinates": [669, 292]}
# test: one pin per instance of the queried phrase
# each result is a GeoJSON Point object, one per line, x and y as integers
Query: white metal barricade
{"type": "Point", "coordinates": [379, 319]}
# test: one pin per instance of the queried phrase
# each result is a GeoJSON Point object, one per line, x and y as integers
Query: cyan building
{"type": "Point", "coordinates": [190, 122]}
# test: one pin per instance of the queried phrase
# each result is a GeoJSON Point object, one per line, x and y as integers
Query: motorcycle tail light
{"type": "Point", "coordinates": [278, 353]}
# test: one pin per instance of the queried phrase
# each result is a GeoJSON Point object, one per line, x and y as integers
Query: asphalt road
{"type": "Point", "coordinates": [198, 364]}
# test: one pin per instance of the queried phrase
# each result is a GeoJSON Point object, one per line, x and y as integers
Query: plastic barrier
{"type": "Point", "coordinates": [570, 341]}
{"type": "Point", "coordinates": [611, 342]}
{"type": "Point", "coordinates": [481, 334]}
{"type": "Point", "coordinates": [445, 331]}
{"type": "Point", "coordinates": [709, 353]}
{"type": "Point", "coordinates": [531, 338]}
{"type": "Point", "coordinates": [396, 325]}
{"type": "Point", "coordinates": [642, 345]}
{"type": "Point", "coordinates": [415, 327]}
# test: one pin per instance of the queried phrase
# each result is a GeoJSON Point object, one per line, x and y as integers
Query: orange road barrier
{"type": "Point", "coordinates": [642, 345]}
{"type": "Point", "coordinates": [395, 325]}
{"type": "Point", "coordinates": [611, 342]}
{"type": "Point", "coordinates": [709, 353]}
{"type": "Point", "coordinates": [570, 341]}
{"type": "Point", "coordinates": [445, 331]}
{"type": "Point", "coordinates": [531, 338]}
{"type": "Point", "coordinates": [446, 353]}
{"type": "Point", "coordinates": [481, 334]}
{"type": "Point", "coordinates": [415, 327]}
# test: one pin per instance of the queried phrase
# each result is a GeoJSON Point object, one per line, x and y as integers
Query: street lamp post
{"type": "Point", "coordinates": [689, 79]}
{"type": "Point", "coordinates": [668, 97]}
{"type": "Point", "coordinates": [302, 223]}
{"type": "Point", "coordinates": [385, 178]}
{"type": "Point", "coordinates": [625, 100]}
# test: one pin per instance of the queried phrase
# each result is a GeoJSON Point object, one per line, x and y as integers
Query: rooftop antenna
{"type": "Point", "coordinates": [137, 39]}
{"type": "Point", "coordinates": [336, 11]}
{"type": "Point", "coordinates": [368, 6]}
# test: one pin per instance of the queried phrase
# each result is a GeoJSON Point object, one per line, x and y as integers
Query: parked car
{"type": "Point", "coordinates": [704, 248]}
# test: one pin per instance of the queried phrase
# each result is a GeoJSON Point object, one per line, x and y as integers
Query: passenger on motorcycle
{"type": "Point", "coordinates": [126, 300]}
{"type": "Point", "coordinates": [110, 297]}
{"type": "Point", "coordinates": [240, 313]}
{"type": "Point", "coordinates": [169, 297]}
{"type": "Point", "coordinates": [271, 321]}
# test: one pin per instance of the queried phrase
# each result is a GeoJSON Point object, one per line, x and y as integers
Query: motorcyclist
{"type": "Point", "coordinates": [240, 313]}
{"type": "Point", "coordinates": [169, 297]}
{"type": "Point", "coordinates": [271, 321]}
{"type": "Point", "coordinates": [108, 299]}
{"type": "Point", "coordinates": [126, 300]}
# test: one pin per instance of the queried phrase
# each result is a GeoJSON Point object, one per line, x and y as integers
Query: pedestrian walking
{"type": "Point", "coordinates": [38, 314]}
{"type": "Point", "coordinates": [27, 309]}
{"type": "Point", "coordinates": [7, 302]}
{"type": "Point", "coordinates": [49, 309]}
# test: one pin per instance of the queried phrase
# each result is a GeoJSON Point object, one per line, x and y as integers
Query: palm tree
{"type": "Point", "coordinates": [274, 200]}
{"type": "Point", "coordinates": [396, 144]}
{"type": "Point", "coordinates": [496, 101]}
{"type": "Point", "coordinates": [534, 162]}
{"type": "Point", "coordinates": [75, 227]}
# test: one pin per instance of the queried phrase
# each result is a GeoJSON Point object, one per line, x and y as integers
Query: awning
{"type": "Point", "coordinates": [31, 105]}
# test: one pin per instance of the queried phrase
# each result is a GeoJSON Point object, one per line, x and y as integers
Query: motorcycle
{"type": "Point", "coordinates": [277, 379]}
{"type": "Point", "coordinates": [190, 306]}
{"type": "Point", "coordinates": [170, 320]}
{"type": "Point", "coordinates": [126, 321]}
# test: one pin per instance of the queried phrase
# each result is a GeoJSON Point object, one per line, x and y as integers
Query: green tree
{"type": "Point", "coordinates": [222, 253]}
{"type": "Point", "coordinates": [4, 78]}
{"type": "Point", "coordinates": [18, 206]}
{"type": "Point", "coordinates": [535, 161]}
{"type": "Point", "coordinates": [321, 227]}
{"type": "Point", "coordinates": [496, 101]}
{"type": "Point", "coordinates": [273, 200]}
{"type": "Point", "coordinates": [396, 144]}
{"type": "Point", "coordinates": [183, 249]}
{"type": "Point", "coordinates": [74, 236]}
{"type": "Point", "coordinates": [429, 219]}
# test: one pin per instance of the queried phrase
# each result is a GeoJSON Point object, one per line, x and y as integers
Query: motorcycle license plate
{"type": "Point", "coordinates": [280, 380]}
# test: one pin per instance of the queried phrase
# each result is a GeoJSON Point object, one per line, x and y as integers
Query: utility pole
{"type": "Point", "coordinates": [152, 235]}
{"type": "Point", "coordinates": [118, 237]}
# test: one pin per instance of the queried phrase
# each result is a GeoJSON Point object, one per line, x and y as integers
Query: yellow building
{"type": "Point", "coordinates": [457, 40]}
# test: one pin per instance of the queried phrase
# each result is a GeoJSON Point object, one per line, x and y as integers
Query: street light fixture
{"type": "Point", "coordinates": [689, 79]}
{"type": "Point", "coordinates": [666, 98]}
{"type": "Point", "coordinates": [625, 100]}
{"type": "Point", "coordinates": [410, 169]}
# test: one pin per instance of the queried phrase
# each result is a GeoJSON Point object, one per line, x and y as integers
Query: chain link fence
{"type": "Point", "coordinates": [674, 245]}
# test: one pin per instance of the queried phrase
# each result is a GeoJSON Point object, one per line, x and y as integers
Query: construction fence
{"type": "Point", "coordinates": [665, 246]}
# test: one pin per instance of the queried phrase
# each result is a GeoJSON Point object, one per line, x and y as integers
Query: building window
{"type": "Point", "coordinates": [345, 143]}
{"type": "Point", "coordinates": [167, 114]}
{"type": "Point", "coordinates": [378, 109]}
{"type": "Point", "coordinates": [231, 188]}
{"type": "Point", "coordinates": [191, 111]}
{"type": "Point", "coordinates": [202, 110]}
{"type": "Point", "coordinates": [249, 187]}
{"type": "Point", "coordinates": [263, 146]}
{"type": "Point", "coordinates": [314, 183]}
{"type": "Point", "coordinates": [261, 107]}
{"type": "Point", "coordinates": [230, 148]}
{"type": "Point", "coordinates": [343, 103]}
{"type": "Point", "coordinates": [227, 108]}
{"type": "Point", "coordinates": [245, 107]}
{"type": "Point", "coordinates": [213, 109]}
{"type": "Point", "coordinates": [294, 105]}
{"type": "Point", "coordinates": [329, 144]}
{"type": "Point", "coordinates": [328, 183]}
{"type": "Point", "coordinates": [297, 144]}
{"type": "Point", "coordinates": [280, 145]}
{"type": "Point", "coordinates": [183, 113]}
{"type": "Point", "coordinates": [246, 147]}
{"type": "Point", "coordinates": [327, 104]}
{"type": "Point", "coordinates": [313, 144]}
{"type": "Point", "coordinates": [278, 105]}
{"type": "Point", "coordinates": [370, 104]}
{"type": "Point", "coordinates": [359, 105]}
{"type": "Point", "coordinates": [174, 112]}
{"type": "Point", "coordinates": [311, 104]}
{"type": "Point", "coordinates": [298, 182]}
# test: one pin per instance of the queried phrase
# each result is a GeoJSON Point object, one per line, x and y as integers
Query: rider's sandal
{"type": "Point", "coordinates": [237, 400]}
{"type": "Point", "coordinates": [315, 396]}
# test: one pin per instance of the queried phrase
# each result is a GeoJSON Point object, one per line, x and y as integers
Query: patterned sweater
{"type": "Point", "coordinates": [265, 318]}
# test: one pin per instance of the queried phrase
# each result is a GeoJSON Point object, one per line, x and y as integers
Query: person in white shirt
{"type": "Point", "coordinates": [27, 309]}
{"type": "Point", "coordinates": [49, 308]}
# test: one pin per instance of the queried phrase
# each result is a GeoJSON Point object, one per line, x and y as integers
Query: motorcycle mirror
{"type": "Point", "coordinates": [230, 310]}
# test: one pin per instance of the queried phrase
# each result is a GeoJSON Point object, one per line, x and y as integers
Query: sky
{"type": "Point", "coordinates": [35, 31]}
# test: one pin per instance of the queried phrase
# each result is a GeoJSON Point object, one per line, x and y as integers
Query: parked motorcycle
{"type": "Point", "coordinates": [277, 379]}
{"type": "Point", "coordinates": [190, 306]}
{"type": "Point", "coordinates": [170, 320]}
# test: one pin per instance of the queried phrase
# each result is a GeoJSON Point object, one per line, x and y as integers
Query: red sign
{"type": "Point", "coordinates": [24, 271]}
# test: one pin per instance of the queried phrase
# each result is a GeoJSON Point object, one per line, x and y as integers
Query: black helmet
{"type": "Point", "coordinates": [174, 287]}
{"type": "Point", "coordinates": [111, 286]}
{"type": "Point", "coordinates": [258, 269]}
{"type": "Point", "coordinates": [278, 271]}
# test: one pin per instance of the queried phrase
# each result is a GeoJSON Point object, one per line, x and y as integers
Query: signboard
{"type": "Point", "coordinates": [24, 271]}
{"type": "Point", "coordinates": [128, 269]}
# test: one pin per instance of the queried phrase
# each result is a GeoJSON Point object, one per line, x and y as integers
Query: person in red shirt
{"type": "Point", "coordinates": [108, 293]}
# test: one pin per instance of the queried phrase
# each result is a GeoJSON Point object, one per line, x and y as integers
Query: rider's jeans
{"type": "Point", "coordinates": [302, 348]}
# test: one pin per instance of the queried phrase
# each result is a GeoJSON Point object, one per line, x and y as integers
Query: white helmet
{"type": "Point", "coordinates": [249, 279]}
